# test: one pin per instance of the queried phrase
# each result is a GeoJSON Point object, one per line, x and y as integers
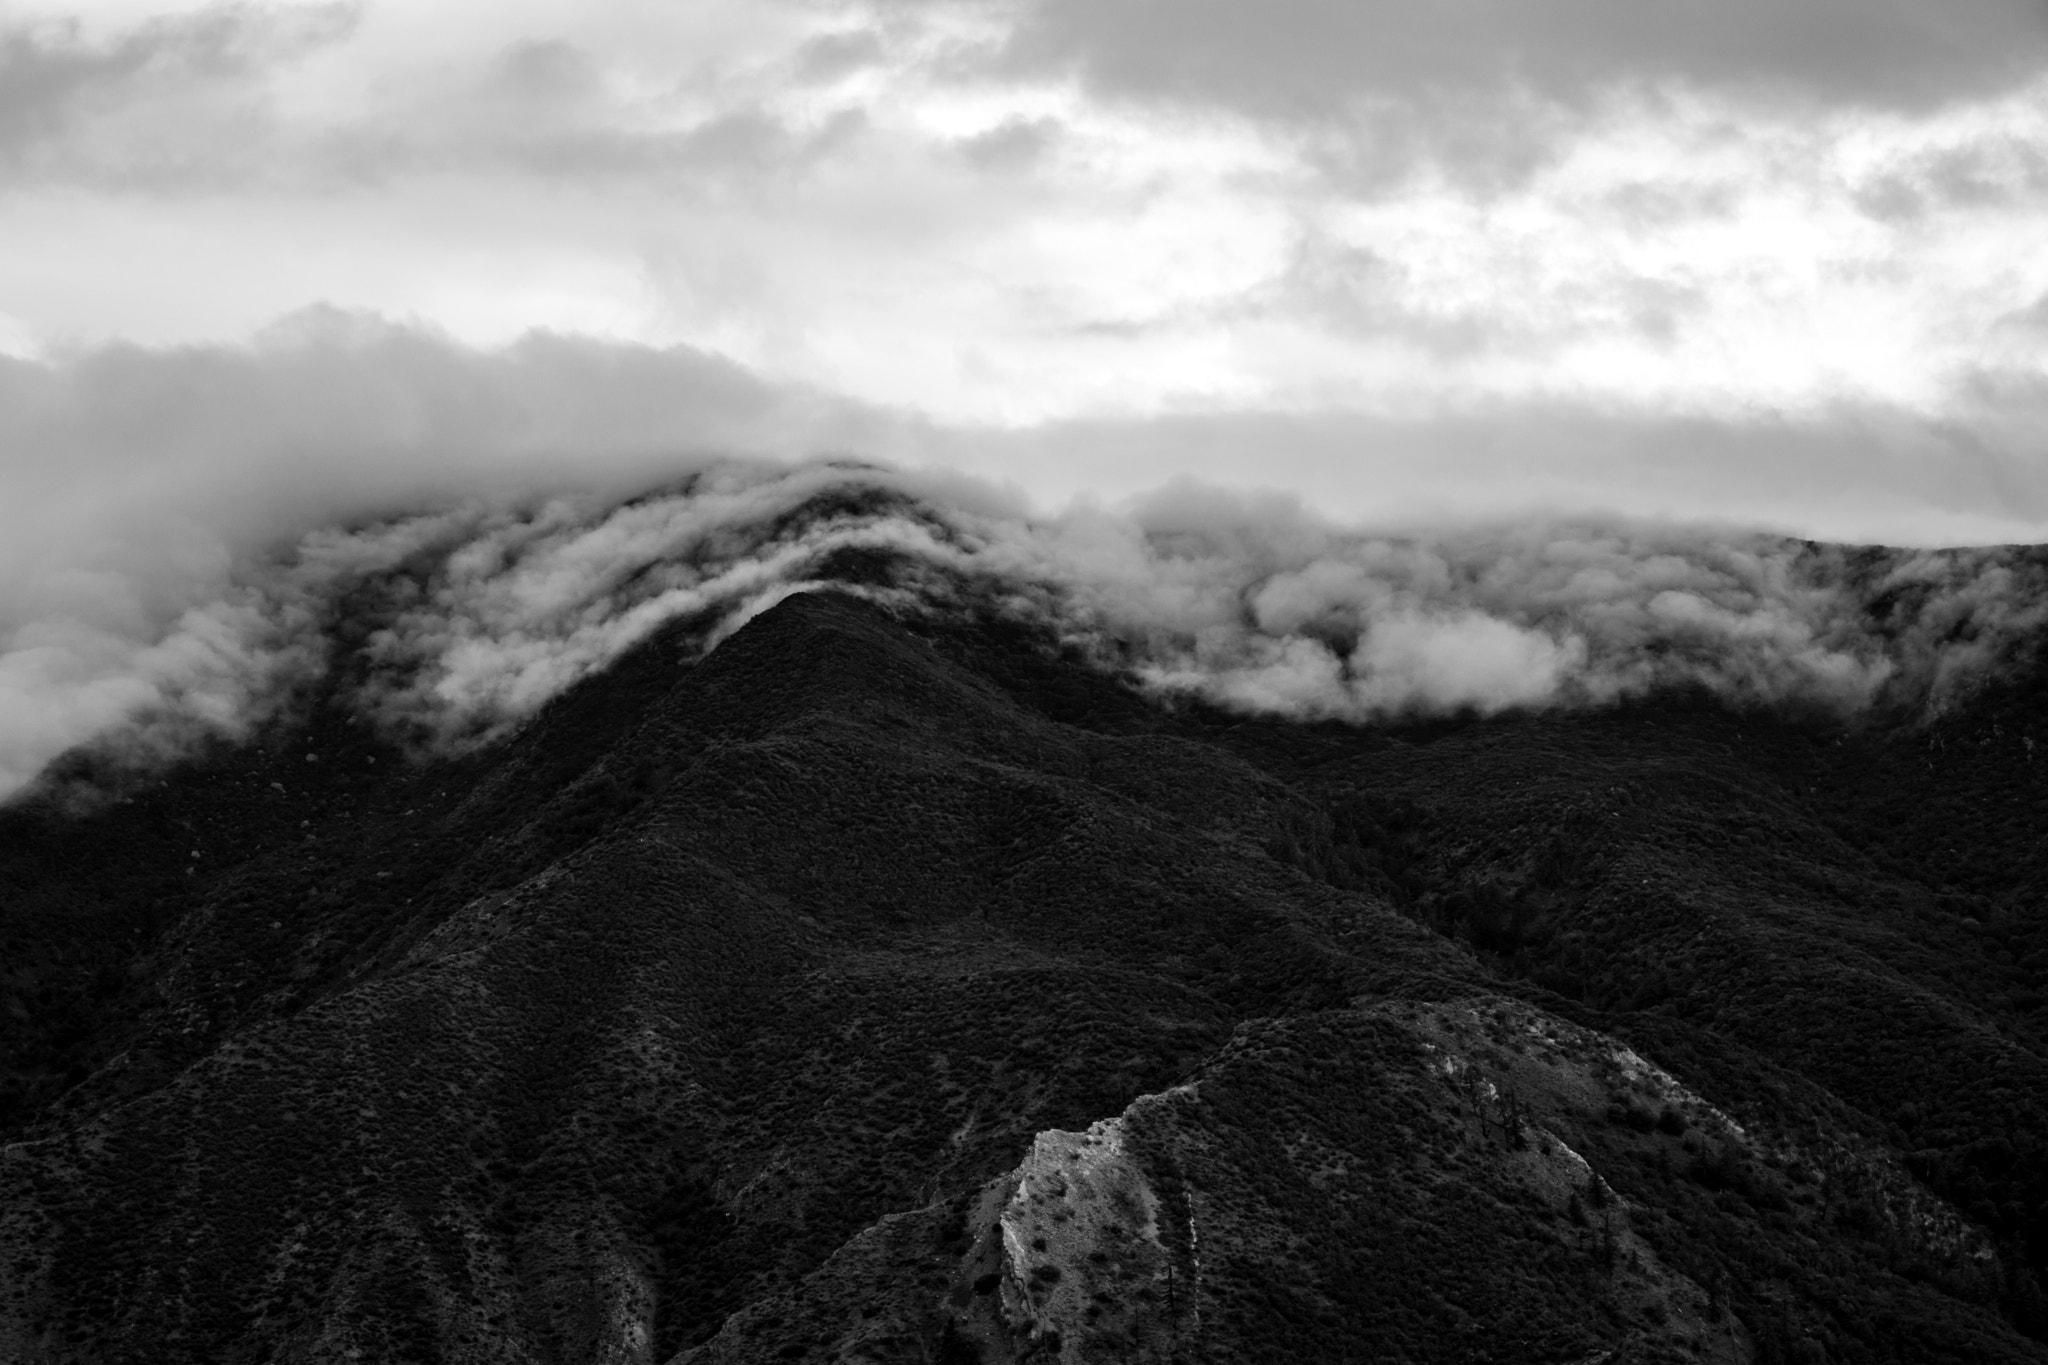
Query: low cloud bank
{"type": "Point", "coordinates": [450, 628]}
{"type": "Point", "coordinates": [161, 570]}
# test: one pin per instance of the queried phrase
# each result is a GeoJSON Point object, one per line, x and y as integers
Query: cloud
{"type": "Point", "coordinates": [147, 490]}
{"type": "Point", "coordinates": [1343, 59]}
{"type": "Point", "coordinates": [1269, 608]}
{"type": "Point", "coordinates": [328, 98]}
{"type": "Point", "coordinates": [186, 523]}
{"type": "Point", "coordinates": [1861, 471]}
{"type": "Point", "coordinates": [328, 406]}
{"type": "Point", "coordinates": [875, 199]}
{"type": "Point", "coordinates": [1253, 603]}
{"type": "Point", "coordinates": [147, 104]}
{"type": "Point", "coordinates": [1423, 267]}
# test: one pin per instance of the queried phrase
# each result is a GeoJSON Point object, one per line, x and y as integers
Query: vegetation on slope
{"type": "Point", "coordinates": [667, 1016]}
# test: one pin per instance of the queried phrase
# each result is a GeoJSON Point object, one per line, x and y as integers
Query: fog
{"type": "Point", "coordinates": [460, 621]}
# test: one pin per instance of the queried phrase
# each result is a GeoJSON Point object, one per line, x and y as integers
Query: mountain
{"type": "Point", "coordinates": [886, 988]}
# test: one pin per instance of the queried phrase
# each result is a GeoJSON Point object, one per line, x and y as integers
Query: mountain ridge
{"type": "Point", "coordinates": [658, 1005]}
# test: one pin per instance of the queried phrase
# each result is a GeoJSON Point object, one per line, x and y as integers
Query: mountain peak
{"type": "Point", "coordinates": [777, 1002]}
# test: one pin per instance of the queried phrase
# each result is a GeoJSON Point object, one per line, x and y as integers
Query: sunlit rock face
{"type": "Point", "coordinates": [1081, 1244]}
{"type": "Point", "coordinates": [1069, 1264]}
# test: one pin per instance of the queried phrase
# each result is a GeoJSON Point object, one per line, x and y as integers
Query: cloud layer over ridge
{"type": "Point", "coordinates": [464, 621]}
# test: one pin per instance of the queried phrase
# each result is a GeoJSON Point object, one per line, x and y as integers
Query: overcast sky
{"type": "Point", "coordinates": [1782, 262]}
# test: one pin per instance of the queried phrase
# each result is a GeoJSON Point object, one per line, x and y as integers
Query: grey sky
{"type": "Point", "coordinates": [1586, 249]}
{"type": "Point", "coordinates": [1337, 58]}
{"type": "Point", "coordinates": [1458, 264]}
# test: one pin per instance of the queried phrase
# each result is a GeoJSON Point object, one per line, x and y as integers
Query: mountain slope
{"type": "Point", "coordinates": [726, 1009]}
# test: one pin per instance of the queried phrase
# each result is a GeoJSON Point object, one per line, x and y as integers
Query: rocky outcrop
{"type": "Point", "coordinates": [1060, 1260]}
{"type": "Point", "coordinates": [1071, 1266]}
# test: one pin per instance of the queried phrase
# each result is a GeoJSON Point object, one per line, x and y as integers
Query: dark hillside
{"type": "Point", "coordinates": [875, 989]}
{"type": "Point", "coordinates": [1686, 873]}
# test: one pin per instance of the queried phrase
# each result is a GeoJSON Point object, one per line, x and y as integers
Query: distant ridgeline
{"type": "Point", "coordinates": [449, 629]}
{"type": "Point", "coordinates": [830, 915]}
